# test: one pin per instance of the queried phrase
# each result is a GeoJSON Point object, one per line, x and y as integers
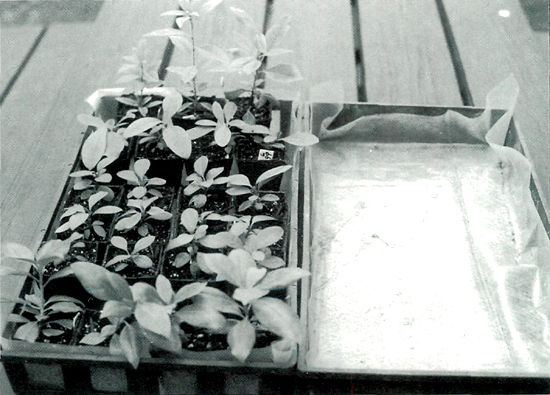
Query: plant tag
{"type": "Point", "coordinates": [265, 154]}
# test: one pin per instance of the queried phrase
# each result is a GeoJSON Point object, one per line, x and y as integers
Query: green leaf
{"type": "Point", "coordinates": [178, 140]}
{"type": "Point", "coordinates": [16, 250]}
{"type": "Point", "coordinates": [128, 222]}
{"type": "Point", "coordinates": [53, 251]}
{"type": "Point", "coordinates": [95, 198]}
{"type": "Point", "coordinates": [154, 318]}
{"type": "Point", "coordinates": [92, 339]}
{"type": "Point", "coordinates": [170, 106]}
{"type": "Point", "coordinates": [241, 262]}
{"type": "Point", "coordinates": [221, 240]}
{"type": "Point", "coordinates": [52, 332]}
{"type": "Point", "coordinates": [120, 242]}
{"type": "Point", "coordinates": [244, 18]}
{"type": "Point", "coordinates": [102, 283]}
{"type": "Point", "coordinates": [241, 339]}
{"type": "Point", "coordinates": [17, 318]}
{"type": "Point", "coordinates": [222, 135]}
{"type": "Point", "coordinates": [138, 192]}
{"type": "Point", "coordinates": [143, 292]}
{"type": "Point", "coordinates": [104, 178]}
{"type": "Point", "coordinates": [181, 259]}
{"type": "Point", "coordinates": [189, 219]}
{"type": "Point", "coordinates": [282, 351]}
{"type": "Point", "coordinates": [77, 219]}
{"type": "Point", "coordinates": [171, 343]}
{"type": "Point", "coordinates": [186, 73]}
{"type": "Point", "coordinates": [218, 300]}
{"type": "Point", "coordinates": [229, 110]}
{"type": "Point", "coordinates": [156, 181]}
{"type": "Point", "coordinates": [81, 173]}
{"type": "Point", "coordinates": [301, 139]}
{"type": "Point", "coordinates": [271, 173]}
{"type": "Point", "coordinates": [116, 309]}
{"type": "Point", "coordinates": [65, 307]}
{"type": "Point", "coordinates": [188, 291]}
{"type": "Point", "coordinates": [129, 176]}
{"type": "Point", "coordinates": [129, 344]}
{"type": "Point", "coordinates": [143, 244]}
{"type": "Point", "coordinates": [28, 332]}
{"type": "Point", "coordinates": [248, 295]}
{"type": "Point", "coordinates": [239, 180]}
{"type": "Point", "coordinates": [201, 165]}
{"type": "Point", "coordinates": [141, 125]}
{"type": "Point", "coordinates": [282, 278]}
{"type": "Point", "coordinates": [117, 259]}
{"type": "Point", "coordinates": [272, 262]}
{"type": "Point", "coordinates": [285, 73]}
{"type": "Point", "coordinates": [237, 191]}
{"type": "Point", "coordinates": [276, 32]}
{"type": "Point", "coordinates": [179, 241]}
{"type": "Point", "coordinates": [115, 146]}
{"type": "Point", "coordinates": [108, 210]}
{"type": "Point", "coordinates": [219, 264]}
{"type": "Point", "coordinates": [159, 214]}
{"type": "Point", "coordinates": [198, 201]}
{"type": "Point", "coordinates": [11, 271]}
{"type": "Point", "coordinates": [202, 316]}
{"type": "Point", "coordinates": [165, 33]}
{"type": "Point", "coordinates": [191, 189]}
{"type": "Point", "coordinates": [90, 120]}
{"type": "Point", "coordinates": [142, 261]}
{"type": "Point", "coordinates": [141, 166]}
{"type": "Point", "coordinates": [164, 289]}
{"type": "Point", "coordinates": [277, 317]}
{"type": "Point", "coordinates": [94, 148]}
{"type": "Point", "coordinates": [263, 238]}
{"type": "Point", "coordinates": [269, 197]}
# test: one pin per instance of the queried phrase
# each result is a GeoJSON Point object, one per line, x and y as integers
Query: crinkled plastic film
{"type": "Point", "coordinates": [427, 253]}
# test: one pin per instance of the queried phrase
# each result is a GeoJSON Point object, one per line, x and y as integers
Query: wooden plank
{"type": "Point", "coordinates": [405, 53]}
{"type": "Point", "coordinates": [492, 47]}
{"type": "Point", "coordinates": [15, 43]}
{"type": "Point", "coordinates": [40, 133]}
{"type": "Point", "coordinates": [321, 37]}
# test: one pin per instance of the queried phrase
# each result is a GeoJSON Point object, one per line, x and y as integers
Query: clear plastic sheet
{"type": "Point", "coordinates": [427, 253]}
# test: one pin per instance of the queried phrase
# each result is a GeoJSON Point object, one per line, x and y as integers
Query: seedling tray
{"type": "Point", "coordinates": [424, 249]}
{"type": "Point", "coordinates": [38, 367]}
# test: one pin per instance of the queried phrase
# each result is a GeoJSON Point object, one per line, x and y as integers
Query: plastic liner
{"type": "Point", "coordinates": [427, 253]}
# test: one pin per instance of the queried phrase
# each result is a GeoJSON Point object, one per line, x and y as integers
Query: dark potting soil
{"type": "Point", "coordinates": [89, 252]}
{"type": "Point", "coordinates": [199, 340]}
{"type": "Point", "coordinates": [206, 145]}
{"type": "Point", "coordinates": [153, 151]}
{"type": "Point", "coordinates": [91, 323]}
{"type": "Point", "coordinates": [262, 114]}
{"type": "Point", "coordinates": [216, 201]}
{"type": "Point", "coordinates": [66, 334]}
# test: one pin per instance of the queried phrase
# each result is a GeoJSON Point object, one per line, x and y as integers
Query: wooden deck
{"type": "Point", "coordinates": [421, 52]}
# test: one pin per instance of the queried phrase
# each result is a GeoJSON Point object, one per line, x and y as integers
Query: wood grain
{"type": "Point", "coordinates": [406, 56]}
{"type": "Point", "coordinates": [492, 47]}
{"type": "Point", "coordinates": [16, 41]}
{"type": "Point", "coordinates": [321, 37]}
